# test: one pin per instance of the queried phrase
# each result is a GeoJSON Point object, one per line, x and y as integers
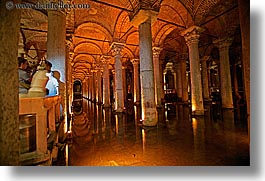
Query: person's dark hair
{"type": "Point", "coordinates": [21, 60]}
{"type": "Point", "coordinates": [49, 63]}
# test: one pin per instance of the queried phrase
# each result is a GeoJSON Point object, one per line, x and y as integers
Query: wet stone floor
{"type": "Point", "coordinates": [102, 138]}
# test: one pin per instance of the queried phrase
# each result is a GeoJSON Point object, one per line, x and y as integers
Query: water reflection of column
{"type": "Point", "coordinates": [107, 124]}
{"type": "Point", "coordinates": [229, 131]}
{"type": "Point", "coordinates": [95, 119]}
{"type": "Point", "coordinates": [100, 122]}
{"type": "Point", "coordinates": [198, 127]}
{"type": "Point", "coordinates": [120, 127]}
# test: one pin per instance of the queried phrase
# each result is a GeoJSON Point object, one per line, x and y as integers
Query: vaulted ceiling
{"type": "Point", "coordinates": [92, 30]}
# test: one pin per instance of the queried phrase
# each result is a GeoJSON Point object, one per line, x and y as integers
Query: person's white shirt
{"type": "Point", "coordinates": [52, 85]}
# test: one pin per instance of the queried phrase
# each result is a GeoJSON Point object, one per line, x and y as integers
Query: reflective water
{"type": "Point", "coordinates": [102, 138]}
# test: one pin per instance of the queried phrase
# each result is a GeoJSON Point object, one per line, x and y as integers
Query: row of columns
{"type": "Point", "coordinates": [150, 70]}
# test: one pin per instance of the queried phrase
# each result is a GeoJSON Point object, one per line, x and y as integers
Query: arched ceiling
{"type": "Point", "coordinates": [93, 30]}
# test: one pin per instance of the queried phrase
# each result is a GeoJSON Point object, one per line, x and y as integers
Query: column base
{"type": "Point", "coordinates": [137, 103]}
{"type": "Point", "coordinates": [106, 105]}
{"type": "Point", "coordinates": [198, 112]}
{"type": "Point", "coordinates": [159, 106]}
{"type": "Point", "coordinates": [150, 117]}
{"type": "Point", "coordinates": [228, 106]}
{"type": "Point", "coordinates": [99, 103]}
{"type": "Point", "coordinates": [207, 99]}
{"type": "Point", "coordinates": [120, 110]}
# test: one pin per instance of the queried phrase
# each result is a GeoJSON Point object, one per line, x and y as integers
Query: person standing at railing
{"type": "Point", "coordinates": [52, 84]}
{"type": "Point", "coordinates": [23, 77]}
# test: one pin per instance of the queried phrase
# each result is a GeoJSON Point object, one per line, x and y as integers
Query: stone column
{"type": "Point", "coordinates": [9, 118]}
{"type": "Point", "coordinates": [106, 81]}
{"type": "Point", "coordinates": [99, 84]}
{"type": "Point", "coordinates": [185, 94]}
{"type": "Point", "coordinates": [124, 83]}
{"type": "Point", "coordinates": [119, 97]}
{"type": "Point", "coordinates": [149, 116]}
{"type": "Point", "coordinates": [244, 17]}
{"type": "Point", "coordinates": [143, 20]}
{"type": "Point", "coordinates": [191, 36]}
{"type": "Point", "coordinates": [161, 77]}
{"type": "Point", "coordinates": [90, 86]}
{"type": "Point", "coordinates": [205, 81]}
{"type": "Point", "coordinates": [179, 81]}
{"type": "Point", "coordinates": [136, 85]}
{"type": "Point", "coordinates": [225, 76]}
{"type": "Point", "coordinates": [93, 86]}
{"type": "Point", "coordinates": [157, 76]}
{"type": "Point", "coordinates": [68, 89]}
{"type": "Point", "coordinates": [56, 41]}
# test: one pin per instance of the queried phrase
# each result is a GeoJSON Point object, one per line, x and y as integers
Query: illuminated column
{"type": "Point", "coordinates": [93, 86]}
{"type": "Point", "coordinates": [136, 85]}
{"type": "Point", "coordinates": [9, 118]}
{"type": "Point", "coordinates": [161, 77]}
{"type": "Point", "coordinates": [185, 94]}
{"type": "Point", "coordinates": [191, 36]}
{"type": "Point", "coordinates": [99, 83]}
{"type": "Point", "coordinates": [147, 75]}
{"type": "Point", "coordinates": [56, 38]}
{"type": "Point", "coordinates": [225, 76]}
{"type": "Point", "coordinates": [157, 75]}
{"type": "Point", "coordinates": [179, 80]}
{"type": "Point", "coordinates": [106, 83]}
{"type": "Point", "coordinates": [205, 82]}
{"type": "Point", "coordinates": [119, 97]}
{"type": "Point", "coordinates": [124, 84]}
{"type": "Point", "coordinates": [67, 91]}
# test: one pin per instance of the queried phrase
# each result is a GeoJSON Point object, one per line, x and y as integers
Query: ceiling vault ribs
{"type": "Point", "coordinates": [165, 21]}
{"type": "Point", "coordinates": [219, 15]}
{"type": "Point", "coordinates": [76, 36]}
{"type": "Point", "coordinates": [112, 5]}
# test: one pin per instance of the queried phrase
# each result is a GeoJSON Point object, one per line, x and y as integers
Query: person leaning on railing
{"type": "Point", "coordinates": [23, 77]}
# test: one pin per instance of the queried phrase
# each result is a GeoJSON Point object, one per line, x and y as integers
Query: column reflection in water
{"type": "Point", "coordinates": [137, 117]}
{"type": "Point", "coordinates": [229, 131]}
{"type": "Point", "coordinates": [120, 126]}
{"type": "Point", "coordinates": [198, 127]}
{"type": "Point", "coordinates": [100, 122]}
{"type": "Point", "coordinates": [106, 124]}
{"type": "Point", "coordinates": [151, 146]}
{"type": "Point", "coordinates": [95, 120]}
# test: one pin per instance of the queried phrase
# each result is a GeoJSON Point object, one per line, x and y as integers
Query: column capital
{"type": "Point", "coordinates": [58, 12]}
{"type": "Point", "coordinates": [135, 61]}
{"type": "Point", "coordinates": [117, 47]}
{"type": "Point", "coordinates": [157, 50]}
{"type": "Point", "coordinates": [142, 16]}
{"type": "Point", "coordinates": [192, 34]}
{"type": "Point", "coordinates": [69, 44]}
{"type": "Point", "coordinates": [93, 70]}
{"type": "Point", "coordinates": [223, 43]}
{"type": "Point", "coordinates": [105, 59]}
